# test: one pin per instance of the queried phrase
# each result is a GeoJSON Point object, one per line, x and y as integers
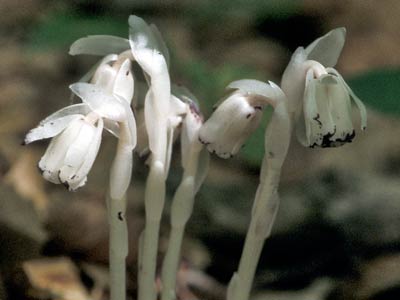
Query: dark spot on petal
{"type": "Point", "coordinates": [120, 216]}
{"type": "Point", "coordinates": [73, 177]}
{"type": "Point", "coordinates": [316, 118]}
{"type": "Point", "coordinates": [204, 142]}
{"type": "Point", "coordinates": [258, 107]}
{"type": "Point", "coordinates": [248, 116]}
{"type": "Point", "coordinates": [127, 73]}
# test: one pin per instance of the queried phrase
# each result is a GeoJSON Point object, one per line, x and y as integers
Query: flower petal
{"type": "Point", "coordinates": [50, 129]}
{"type": "Point", "coordinates": [105, 60]}
{"type": "Point", "coordinates": [53, 159]}
{"type": "Point", "coordinates": [141, 35]}
{"type": "Point", "coordinates": [124, 83]}
{"type": "Point", "coordinates": [230, 125]}
{"type": "Point", "coordinates": [121, 169]}
{"type": "Point", "coordinates": [80, 177]}
{"type": "Point", "coordinates": [251, 86]}
{"type": "Point", "coordinates": [99, 45]}
{"type": "Point", "coordinates": [105, 104]}
{"type": "Point", "coordinates": [327, 48]}
{"type": "Point", "coordinates": [358, 102]}
{"type": "Point", "coordinates": [80, 108]}
{"type": "Point", "coordinates": [129, 136]}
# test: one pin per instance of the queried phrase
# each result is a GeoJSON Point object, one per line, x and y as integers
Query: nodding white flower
{"type": "Point", "coordinates": [238, 116]}
{"type": "Point", "coordinates": [162, 111]}
{"type": "Point", "coordinates": [319, 98]}
{"type": "Point", "coordinates": [76, 131]}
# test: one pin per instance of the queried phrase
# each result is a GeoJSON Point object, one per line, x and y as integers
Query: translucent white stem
{"type": "Point", "coordinates": [118, 247]}
{"type": "Point", "coordinates": [154, 204]}
{"type": "Point", "coordinates": [181, 210]}
{"type": "Point", "coordinates": [266, 202]}
{"type": "Point", "coordinates": [264, 211]}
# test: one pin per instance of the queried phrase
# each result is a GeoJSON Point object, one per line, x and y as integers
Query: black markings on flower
{"type": "Point", "coordinates": [248, 116]}
{"type": "Point", "coordinates": [258, 107]}
{"type": "Point", "coordinates": [204, 142]}
{"type": "Point", "coordinates": [127, 73]}
{"type": "Point", "coordinates": [328, 142]}
{"type": "Point", "coordinates": [317, 119]}
{"type": "Point", "coordinates": [120, 216]}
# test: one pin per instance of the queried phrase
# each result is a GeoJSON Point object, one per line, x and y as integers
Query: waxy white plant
{"type": "Point", "coordinates": [235, 118]}
{"type": "Point", "coordinates": [163, 113]}
{"type": "Point", "coordinates": [195, 160]}
{"type": "Point", "coordinates": [319, 98]}
{"type": "Point", "coordinates": [77, 131]}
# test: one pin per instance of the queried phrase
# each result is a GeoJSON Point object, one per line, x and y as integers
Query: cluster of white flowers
{"type": "Point", "coordinates": [318, 101]}
{"type": "Point", "coordinates": [106, 92]}
{"type": "Point", "coordinates": [314, 100]}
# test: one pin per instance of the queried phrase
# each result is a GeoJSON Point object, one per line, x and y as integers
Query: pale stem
{"type": "Point", "coordinates": [118, 247]}
{"type": "Point", "coordinates": [266, 202]}
{"type": "Point", "coordinates": [263, 215]}
{"type": "Point", "coordinates": [154, 204]}
{"type": "Point", "coordinates": [181, 210]}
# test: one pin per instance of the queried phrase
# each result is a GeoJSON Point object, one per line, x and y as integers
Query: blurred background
{"type": "Point", "coordinates": [337, 235]}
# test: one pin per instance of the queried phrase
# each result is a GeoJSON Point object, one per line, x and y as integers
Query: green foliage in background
{"type": "Point", "coordinates": [379, 89]}
{"type": "Point", "coordinates": [61, 29]}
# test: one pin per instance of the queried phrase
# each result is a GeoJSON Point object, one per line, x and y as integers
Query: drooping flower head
{"type": "Point", "coordinates": [162, 111]}
{"type": "Point", "coordinates": [238, 116]}
{"type": "Point", "coordinates": [319, 98]}
{"type": "Point", "coordinates": [77, 129]}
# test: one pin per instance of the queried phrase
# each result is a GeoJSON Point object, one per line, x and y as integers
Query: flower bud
{"type": "Point", "coordinates": [231, 124]}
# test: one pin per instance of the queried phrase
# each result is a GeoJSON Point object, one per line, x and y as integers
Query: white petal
{"type": "Point", "coordinates": [121, 169]}
{"type": "Point", "coordinates": [162, 47]}
{"type": "Point", "coordinates": [105, 60]}
{"type": "Point", "coordinates": [190, 136]}
{"type": "Point", "coordinates": [156, 126]}
{"type": "Point", "coordinates": [77, 150]}
{"type": "Point", "coordinates": [129, 136]}
{"type": "Point", "coordinates": [99, 45]}
{"type": "Point", "coordinates": [80, 108]}
{"type": "Point", "coordinates": [106, 105]}
{"type": "Point", "coordinates": [358, 102]}
{"type": "Point", "coordinates": [293, 79]}
{"type": "Point", "coordinates": [251, 86]}
{"type": "Point", "coordinates": [177, 107]}
{"type": "Point", "coordinates": [230, 125]}
{"type": "Point", "coordinates": [142, 147]}
{"type": "Point", "coordinates": [124, 84]}
{"type": "Point", "coordinates": [104, 77]}
{"type": "Point", "coordinates": [79, 178]}
{"type": "Point", "coordinates": [141, 35]}
{"type": "Point", "coordinates": [318, 114]}
{"type": "Point", "coordinates": [327, 48]}
{"type": "Point", "coordinates": [340, 109]}
{"type": "Point", "coordinates": [50, 129]}
{"type": "Point", "coordinates": [53, 159]}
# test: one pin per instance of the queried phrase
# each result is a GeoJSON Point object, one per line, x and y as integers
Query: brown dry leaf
{"type": "Point", "coordinates": [26, 180]}
{"type": "Point", "coordinates": [56, 277]}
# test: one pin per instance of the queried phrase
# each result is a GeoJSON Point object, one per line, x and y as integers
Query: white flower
{"type": "Point", "coordinates": [319, 98]}
{"type": "Point", "coordinates": [237, 116]}
{"type": "Point", "coordinates": [162, 111]}
{"type": "Point", "coordinates": [76, 131]}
